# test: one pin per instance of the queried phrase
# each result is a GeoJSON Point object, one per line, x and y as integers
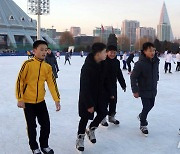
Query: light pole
{"type": "Point", "coordinates": [38, 7]}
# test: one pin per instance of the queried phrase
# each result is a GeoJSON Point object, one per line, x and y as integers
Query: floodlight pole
{"type": "Point", "coordinates": [39, 21]}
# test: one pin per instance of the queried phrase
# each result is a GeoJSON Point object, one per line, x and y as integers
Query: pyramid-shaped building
{"type": "Point", "coordinates": [16, 27]}
{"type": "Point", "coordinates": [164, 30]}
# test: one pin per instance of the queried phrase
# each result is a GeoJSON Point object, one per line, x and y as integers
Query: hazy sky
{"type": "Point", "coordinates": [89, 14]}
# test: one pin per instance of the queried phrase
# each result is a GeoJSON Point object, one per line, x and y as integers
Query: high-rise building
{"type": "Point", "coordinates": [75, 31]}
{"type": "Point", "coordinates": [145, 32]}
{"type": "Point", "coordinates": [164, 30]}
{"type": "Point", "coordinates": [129, 30]}
{"type": "Point", "coordinates": [104, 32]}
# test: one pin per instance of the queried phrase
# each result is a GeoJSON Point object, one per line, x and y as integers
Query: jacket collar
{"type": "Point", "coordinates": [143, 58]}
{"type": "Point", "coordinates": [40, 60]}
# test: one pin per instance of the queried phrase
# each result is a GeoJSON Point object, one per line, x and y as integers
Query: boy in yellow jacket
{"type": "Point", "coordinates": [30, 93]}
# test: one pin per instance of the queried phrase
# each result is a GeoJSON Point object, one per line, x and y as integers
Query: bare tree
{"type": "Point", "coordinates": [124, 43]}
{"type": "Point", "coordinates": [139, 43]}
{"type": "Point", "coordinates": [67, 39]}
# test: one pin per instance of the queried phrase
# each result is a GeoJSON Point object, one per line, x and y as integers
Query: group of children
{"type": "Point", "coordinates": [169, 59]}
{"type": "Point", "coordinates": [98, 91]}
{"type": "Point", "coordinates": [98, 88]}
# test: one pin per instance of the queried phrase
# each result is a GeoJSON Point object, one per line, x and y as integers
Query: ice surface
{"type": "Point", "coordinates": [164, 119]}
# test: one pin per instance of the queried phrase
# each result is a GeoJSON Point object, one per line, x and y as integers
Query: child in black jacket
{"type": "Point", "coordinates": [144, 80]}
{"type": "Point", "coordinates": [115, 74]}
{"type": "Point", "coordinates": [92, 94]}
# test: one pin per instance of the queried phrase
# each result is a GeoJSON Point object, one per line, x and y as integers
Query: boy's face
{"type": "Point", "coordinates": [150, 52]}
{"type": "Point", "coordinates": [112, 54]}
{"type": "Point", "coordinates": [49, 51]}
{"type": "Point", "coordinates": [102, 55]}
{"type": "Point", "coordinates": [41, 51]}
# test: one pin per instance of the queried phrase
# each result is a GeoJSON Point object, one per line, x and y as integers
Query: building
{"type": "Point", "coordinates": [164, 30]}
{"type": "Point", "coordinates": [75, 31]}
{"type": "Point", "coordinates": [129, 30]}
{"type": "Point", "coordinates": [84, 40]}
{"type": "Point", "coordinates": [145, 32]}
{"type": "Point", "coordinates": [104, 32]}
{"type": "Point", "coordinates": [17, 29]}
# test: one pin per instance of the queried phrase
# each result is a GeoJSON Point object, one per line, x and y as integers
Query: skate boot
{"type": "Point", "coordinates": [91, 134]}
{"type": "Point", "coordinates": [113, 120]}
{"type": "Point", "coordinates": [80, 142]}
{"type": "Point", "coordinates": [47, 150]}
{"type": "Point", "coordinates": [144, 130]}
{"type": "Point", "coordinates": [104, 122]}
{"type": "Point", "coordinates": [37, 151]}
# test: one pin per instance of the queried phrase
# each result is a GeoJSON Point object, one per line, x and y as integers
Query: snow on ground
{"type": "Point", "coordinates": [164, 119]}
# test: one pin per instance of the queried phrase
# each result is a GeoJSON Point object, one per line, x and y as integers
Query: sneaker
{"type": "Point", "coordinates": [144, 130]}
{"type": "Point", "coordinates": [113, 120]}
{"type": "Point", "coordinates": [47, 150]}
{"type": "Point", "coordinates": [80, 142]}
{"type": "Point", "coordinates": [104, 122]}
{"type": "Point", "coordinates": [91, 134]}
{"type": "Point", "coordinates": [37, 151]}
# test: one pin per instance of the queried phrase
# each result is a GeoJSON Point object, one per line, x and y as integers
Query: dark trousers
{"type": "Point", "coordinates": [148, 104]}
{"type": "Point", "coordinates": [178, 66]}
{"type": "Point", "coordinates": [166, 67]}
{"type": "Point", "coordinates": [39, 111]}
{"type": "Point", "coordinates": [112, 106]}
{"type": "Point", "coordinates": [124, 65]}
{"type": "Point", "coordinates": [95, 123]}
{"type": "Point", "coordinates": [68, 61]}
{"type": "Point", "coordinates": [129, 67]}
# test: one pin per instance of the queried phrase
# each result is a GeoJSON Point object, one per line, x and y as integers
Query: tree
{"type": "Point", "coordinates": [124, 43]}
{"type": "Point", "coordinates": [112, 40]}
{"type": "Point", "coordinates": [157, 45]}
{"type": "Point", "coordinates": [67, 39]}
{"type": "Point", "coordinates": [139, 43]}
{"type": "Point", "coordinates": [97, 39]}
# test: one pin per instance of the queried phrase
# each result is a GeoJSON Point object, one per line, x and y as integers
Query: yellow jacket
{"type": "Point", "coordinates": [30, 86]}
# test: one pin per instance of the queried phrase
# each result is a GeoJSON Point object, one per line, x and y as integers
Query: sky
{"type": "Point", "coordinates": [89, 14]}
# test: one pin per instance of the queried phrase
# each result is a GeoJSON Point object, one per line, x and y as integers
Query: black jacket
{"type": "Point", "coordinates": [130, 58]}
{"type": "Point", "coordinates": [51, 60]}
{"type": "Point", "coordinates": [93, 87]}
{"type": "Point", "coordinates": [115, 74]}
{"type": "Point", "coordinates": [145, 76]}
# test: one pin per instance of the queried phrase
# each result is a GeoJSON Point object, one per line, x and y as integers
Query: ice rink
{"type": "Point", "coordinates": [164, 119]}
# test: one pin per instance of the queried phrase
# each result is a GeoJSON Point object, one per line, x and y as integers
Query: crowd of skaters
{"type": "Point", "coordinates": [99, 76]}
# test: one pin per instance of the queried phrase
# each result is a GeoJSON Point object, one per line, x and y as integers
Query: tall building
{"type": "Point", "coordinates": [16, 27]}
{"type": "Point", "coordinates": [145, 32]}
{"type": "Point", "coordinates": [129, 30]}
{"type": "Point", "coordinates": [104, 32]}
{"type": "Point", "coordinates": [75, 31]}
{"type": "Point", "coordinates": [164, 30]}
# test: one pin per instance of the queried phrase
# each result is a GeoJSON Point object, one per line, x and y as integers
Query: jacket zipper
{"type": "Point", "coordinates": [38, 82]}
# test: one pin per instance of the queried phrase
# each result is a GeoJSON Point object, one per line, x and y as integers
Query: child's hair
{"type": "Point", "coordinates": [111, 48]}
{"type": "Point", "coordinates": [98, 47]}
{"type": "Point", "coordinates": [147, 45]}
{"type": "Point", "coordinates": [39, 42]}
